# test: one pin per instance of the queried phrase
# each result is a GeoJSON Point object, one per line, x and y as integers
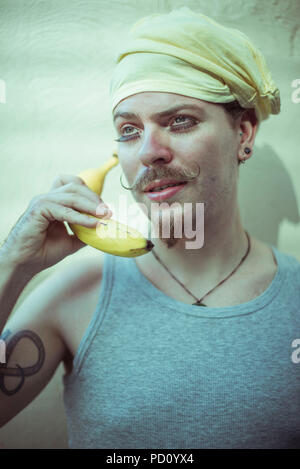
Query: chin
{"type": "Point", "coordinates": [169, 235]}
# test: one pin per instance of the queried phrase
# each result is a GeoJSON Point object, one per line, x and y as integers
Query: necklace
{"type": "Point", "coordinates": [199, 301]}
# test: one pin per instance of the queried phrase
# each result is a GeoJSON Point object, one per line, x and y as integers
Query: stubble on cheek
{"type": "Point", "coordinates": [218, 195]}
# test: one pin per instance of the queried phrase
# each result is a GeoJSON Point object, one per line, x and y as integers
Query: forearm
{"type": "Point", "coordinates": [13, 280]}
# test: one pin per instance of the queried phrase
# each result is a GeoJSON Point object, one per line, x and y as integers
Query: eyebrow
{"type": "Point", "coordinates": [171, 110]}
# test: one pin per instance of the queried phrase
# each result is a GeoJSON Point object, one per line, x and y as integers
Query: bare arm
{"type": "Point", "coordinates": [37, 335]}
{"type": "Point", "coordinates": [12, 282]}
{"type": "Point", "coordinates": [33, 350]}
{"type": "Point", "coordinates": [39, 240]}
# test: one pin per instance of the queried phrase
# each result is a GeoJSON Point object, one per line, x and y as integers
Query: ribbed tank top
{"type": "Point", "coordinates": [152, 372]}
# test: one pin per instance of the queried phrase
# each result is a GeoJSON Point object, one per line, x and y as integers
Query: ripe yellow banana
{"type": "Point", "coordinates": [110, 235]}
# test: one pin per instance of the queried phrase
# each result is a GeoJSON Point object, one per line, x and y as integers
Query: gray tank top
{"type": "Point", "coordinates": [152, 372]}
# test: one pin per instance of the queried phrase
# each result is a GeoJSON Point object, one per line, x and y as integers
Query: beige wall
{"type": "Point", "coordinates": [56, 57]}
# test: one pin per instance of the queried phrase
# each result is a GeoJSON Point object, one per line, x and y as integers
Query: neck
{"type": "Point", "coordinates": [225, 243]}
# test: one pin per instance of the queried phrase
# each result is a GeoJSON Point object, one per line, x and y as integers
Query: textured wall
{"type": "Point", "coordinates": [56, 57]}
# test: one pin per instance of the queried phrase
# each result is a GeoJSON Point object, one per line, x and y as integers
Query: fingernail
{"type": "Point", "coordinates": [108, 214]}
{"type": "Point", "coordinates": [102, 211]}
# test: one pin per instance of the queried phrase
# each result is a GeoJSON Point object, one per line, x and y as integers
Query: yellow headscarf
{"type": "Point", "coordinates": [190, 54]}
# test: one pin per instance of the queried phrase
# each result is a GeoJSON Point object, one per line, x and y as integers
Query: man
{"type": "Point", "coordinates": [180, 348]}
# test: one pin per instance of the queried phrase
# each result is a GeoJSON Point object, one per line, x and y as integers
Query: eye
{"type": "Point", "coordinates": [180, 119]}
{"type": "Point", "coordinates": [126, 135]}
{"type": "Point", "coordinates": [182, 122]}
{"type": "Point", "coordinates": [126, 129]}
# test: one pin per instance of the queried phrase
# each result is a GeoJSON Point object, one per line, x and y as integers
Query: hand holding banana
{"type": "Point", "coordinates": [39, 239]}
{"type": "Point", "coordinates": [110, 236]}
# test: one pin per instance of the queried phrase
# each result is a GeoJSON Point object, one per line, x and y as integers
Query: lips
{"type": "Point", "coordinates": [161, 184]}
{"type": "Point", "coordinates": [161, 193]}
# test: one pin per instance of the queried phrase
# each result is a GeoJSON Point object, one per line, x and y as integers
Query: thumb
{"type": "Point", "coordinates": [76, 244]}
{"type": "Point", "coordinates": [59, 231]}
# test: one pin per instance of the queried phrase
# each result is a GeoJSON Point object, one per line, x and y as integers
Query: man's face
{"type": "Point", "coordinates": [177, 145]}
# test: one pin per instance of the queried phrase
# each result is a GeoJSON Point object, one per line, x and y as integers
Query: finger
{"type": "Point", "coordinates": [55, 212]}
{"type": "Point", "coordinates": [82, 189]}
{"type": "Point", "coordinates": [77, 202]}
{"type": "Point", "coordinates": [64, 179]}
{"type": "Point", "coordinates": [103, 212]}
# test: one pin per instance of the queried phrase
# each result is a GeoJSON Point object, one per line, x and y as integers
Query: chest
{"type": "Point", "coordinates": [235, 291]}
{"type": "Point", "coordinates": [247, 286]}
{"type": "Point", "coordinates": [252, 279]}
{"type": "Point", "coordinates": [239, 291]}
{"type": "Point", "coordinates": [189, 384]}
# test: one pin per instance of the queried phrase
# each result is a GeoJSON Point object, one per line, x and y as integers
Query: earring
{"type": "Point", "coordinates": [128, 188]}
{"type": "Point", "coordinates": [247, 151]}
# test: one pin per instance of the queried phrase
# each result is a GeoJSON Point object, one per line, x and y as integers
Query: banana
{"type": "Point", "coordinates": [114, 238]}
{"type": "Point", "coordinates": [94, 178]}
{"type": "Point", "coordinates": [109, 235]}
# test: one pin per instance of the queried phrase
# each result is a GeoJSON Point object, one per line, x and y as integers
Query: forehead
{"type": "Point", "coordinates": [149, 103]}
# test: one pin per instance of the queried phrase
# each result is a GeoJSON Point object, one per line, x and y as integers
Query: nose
{"type": "Point", "coordinates": [155, 148]}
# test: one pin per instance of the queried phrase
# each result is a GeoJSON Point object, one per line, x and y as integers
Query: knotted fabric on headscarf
{"type": "Point", "coordinates": [187, 53]}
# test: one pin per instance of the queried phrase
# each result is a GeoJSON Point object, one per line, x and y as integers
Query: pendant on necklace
{"type": "Point", "coordinates": [198, 303]}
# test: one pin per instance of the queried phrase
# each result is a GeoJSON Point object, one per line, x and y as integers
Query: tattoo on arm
{"type": "Point", "coordinates": [18, 371]}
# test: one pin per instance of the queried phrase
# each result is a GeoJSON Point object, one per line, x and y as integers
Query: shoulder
{"type": "Point", "coordinates": [73, 285]}
{"type": "Point", "coordinates": [65, 282]}
{"type": "Point", "coordinates": [265, 250]}
{"type": "Point", "coordinates": [50, 292]}
{"type": "Point", "coordinates": [266, 260]}
{"type": "Point", "coordinates": [74, 289]}
{"type": "Point", "coordinates": [76, 277]}
{"type": "Point", "coordinates": [294, 266]}
{"type": "Point", "coordinates": [289, 264]}
{"type": "Point", "coordinates": [67, 292]}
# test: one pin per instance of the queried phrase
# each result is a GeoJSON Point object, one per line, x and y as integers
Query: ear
{"type": "Point", "coordinates": [248, 126]}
